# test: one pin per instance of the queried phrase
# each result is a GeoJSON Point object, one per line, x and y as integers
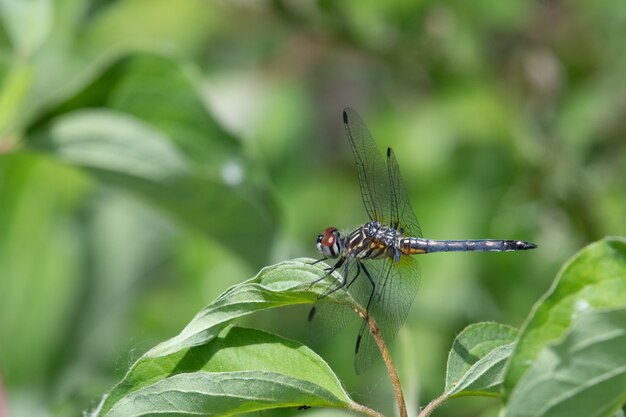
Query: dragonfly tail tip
{"type": "Point", "coordinates": [528, 245]}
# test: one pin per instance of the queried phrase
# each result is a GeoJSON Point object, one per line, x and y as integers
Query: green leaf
{"type": "Point", "coordinates": [41, 260]}
{"type": "Point", "coordinates": [166, 95]}
{"type": "Point", "coordinates": [477, 359]}
{"type": "Point", "coordinates": [593, 278]}
{"type": "Point", "coordinates": [161, 25]}
{"type": "Point", "coordinates": [582, 375]}
{"type": "Point", "coordinates": [123, 151]}
{"type": "Point", "coordinates": [110, 141]}
{"type": "Point", "coordinates": [241, 370]}
{"type": "Point", "coordinates": [286, 283]}
{"type": "Point", "coordinates": [73, 37]}
{"type": "Point", "coordinates": [162, 93]}
{"type": "Point", "coordinates": [27, 23]}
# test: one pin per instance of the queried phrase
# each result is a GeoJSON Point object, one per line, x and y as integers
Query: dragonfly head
{"type": "Point", "coordinates": [328, 243]}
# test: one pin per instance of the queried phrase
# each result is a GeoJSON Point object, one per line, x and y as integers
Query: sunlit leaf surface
{"type": "Point", "coordinates": [593, 278]}
{"type": "Point", "coordinates": [478, 358]}
{"type": "Point", "coordinates": [240, 371]}
{"type": "Point", "coordinates": [283, 284]}
{"type": "Point", "coordinates": [582, 375]}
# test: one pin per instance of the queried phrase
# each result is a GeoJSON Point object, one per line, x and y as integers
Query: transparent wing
{"type": "Point", "coordinates": [386, 201]}
{"type": "Point", "coordinates": [402, 214]}
{"type": "Point", "coordinates": [396, 286]}
{"type": "Point", "coordinates": [330, 316]}
{"type": "Point", "coordinates": [373, 176]}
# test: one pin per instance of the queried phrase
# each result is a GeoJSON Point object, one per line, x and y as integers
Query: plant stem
{"type": "Point", "coordinates": [432, 405]}
{"type": "Point", "coordinates": [13, 92]}
{"type": "Point", "coordinates": [391, 369]}
{"type": "Point", "coordinates": [365, 410]}
{"type": "Point", "coordinates": [4, 408]}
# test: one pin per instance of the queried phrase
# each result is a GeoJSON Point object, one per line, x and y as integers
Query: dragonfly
{"type": "Point", "coordinates": [375, 261]}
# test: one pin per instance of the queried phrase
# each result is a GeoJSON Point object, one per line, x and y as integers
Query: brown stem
{"type": "Point", "coordinates": [365, 410]}
{"type": "Point", "coordinates": [391, 369]}
{"type": "Point", "coordinates": [4, 408]}
{"type": "Point", "coordinates": [432, 405]}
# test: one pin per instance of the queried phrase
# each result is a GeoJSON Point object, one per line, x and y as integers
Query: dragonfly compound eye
{"type": "Point", "coordinates": [330, 243]}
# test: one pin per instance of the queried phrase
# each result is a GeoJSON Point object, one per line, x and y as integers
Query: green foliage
{"type": "Point", "coordinates": [239, 371]}
{"type": "Point", "coordinates": [570, 354]}
{"type": "Point", "coordinates": [199, 349]}
{"type": "Point", "coordinates": [594, 278]}
{"type": "Point", "coordinates": [50, 275]}
{"type": "Point", "coordinates": [477, 360]}
{"type": "Point", "coordinates": [154, 152]}
{"type": "Point", "coordinates": [163, 152]}
{"type": "Point", "coordinates": [581, 374]}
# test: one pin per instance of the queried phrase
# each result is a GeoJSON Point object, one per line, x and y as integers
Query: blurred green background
{"type": "Point", "coordinates": [153, 153]}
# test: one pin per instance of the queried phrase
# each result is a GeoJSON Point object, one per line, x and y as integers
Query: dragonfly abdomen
{"type": "Point", "coordinates": [412, 245]}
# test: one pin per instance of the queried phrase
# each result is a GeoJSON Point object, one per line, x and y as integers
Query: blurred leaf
{"type": "Point", "coordinates": [113, 141]}
{"type": "Point", "coordinates": [27, 23]}
{"type": "Point", "coordinates": [41, 255]}
{"type": "Point", "coordinates": [148, 25]}
{"type": "Point", "coordinates": [110, 141]}
{"type": "Point", "coordinates": [159, 91]}
{"type": "Point", "coordinates": [283, 284]}
{"type": "Point", "coordinates": [121, 150]}
{"type": "Point", "coordinates": [477, 359]}
{"type": "Point", "coordinates": [593, 278]}
{"type": "Point", "coordinates": [492, 14]}
{"type": "Point", "coordinates": [163, 93]}
{"type": "Point", "coordinates": [241, 371]}
{"type": "Point", "coordinates": [16, 84]}
{"type": "Point", "coordinates": [85, 50]}
{"type": "Point", "coordinates": [584, 374]}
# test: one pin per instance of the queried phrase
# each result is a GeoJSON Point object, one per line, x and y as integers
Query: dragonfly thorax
{"type": "Point", "coordinates": [373, 240]}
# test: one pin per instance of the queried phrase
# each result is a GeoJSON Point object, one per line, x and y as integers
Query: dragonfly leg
{"type": "Point", "coordinates": [359, 337]}
{"type": "Point", "coordinates": [358, 271]}
{"type": "Point", "coordinates": [329, 292]}
{"type": "Point", "coordinates": [328, 271]}
{"type": "Point", "coordinates": [318, 261]}
{"type": "Point", "coordinates": [343, 283]}
{"type": "Point", "coordinates": [394, 257]}
{"type": "Point", "coordinates": [367, 308]}
{"type": "Point", "coordinates": [369, 278]}
{"type": "Point", "coordinates": [338, 287]}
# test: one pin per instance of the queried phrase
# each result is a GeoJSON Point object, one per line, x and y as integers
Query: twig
{"type": "Point", "coordinates": [432, 405]}
{"type": "Point", "coordinates": [365, 410]}
{"type": "Point", "coordinates": [391, 369]}
{"type": "Point", "coordinates": [4, 408]}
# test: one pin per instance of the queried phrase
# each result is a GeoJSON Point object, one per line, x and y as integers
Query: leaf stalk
{"type": "Point", "coordinates": [384, 351]}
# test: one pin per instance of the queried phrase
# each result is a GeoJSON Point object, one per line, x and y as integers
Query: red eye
{"type": "Point", "coordinates": [328, 237]}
